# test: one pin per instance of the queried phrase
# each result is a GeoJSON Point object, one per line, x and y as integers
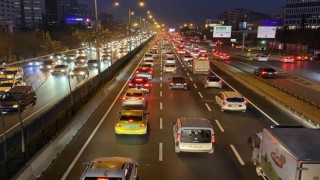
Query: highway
{"type": "Point", "coordinates": [50, 89]}
{"type": "Point", "coordinates": [155, 152]}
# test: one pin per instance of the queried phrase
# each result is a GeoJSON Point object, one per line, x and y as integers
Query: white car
{"type": "Point", "coordinates": [212, 81]}
{"type": "Point", "coordinates": [149, 61]}
{"type": "Point", "coordinates": [231, 101]}
{"type": "Point", "coordinates": [171, 68]}
{"type": "Point", "coordinates": [148, 57]}
{"type": "Point", "coordinates": [170, 60]}
{"type": "Point", "coordinates": [134, 97]}
{"type": "Point", "coordinates": [187, 58]}
{"type": "Point", "coordinates": [261, 57]}
{"type": "Point", "coordinates": [169, 55]}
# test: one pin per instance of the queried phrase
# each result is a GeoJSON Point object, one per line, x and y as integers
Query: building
{"type": "Point", "coordinates": [6, 27]}
{"type": "Point", "coordinates": [302, 14]}
{"type": "Point", "coordinates": [53, 12]}
{"type": "Point", "coordinates": [32, 14]}
{"type": "Point", "coordinates": [83, 10]}
{"type": "Point", "coordinates": [9, 14]}
{"type": "Point", "coordinates": [239, 18]}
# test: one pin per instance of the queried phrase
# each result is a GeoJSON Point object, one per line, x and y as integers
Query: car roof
{"type": "Point", "coordinates": [107, 167]}
{"type": "Point", "coordinates": [231, 94]}
{"type": "Point", "coordinates": [132, 112]}
{"type": "Point", "coordinates": [20, 88]}
{"type": "Point", "coordinates": [195, 122]}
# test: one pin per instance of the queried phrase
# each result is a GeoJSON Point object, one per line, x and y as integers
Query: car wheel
{"type": "Point", "coordinates": [34, 102]}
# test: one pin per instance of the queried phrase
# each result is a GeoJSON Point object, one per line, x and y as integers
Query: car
{"type": "Point", "coordinates": [177, 82]}
{"type": "Point", "coordinates": [194, 53]}
{"type": "Point", "coordinates": [93, 64]}
{"type": "Point", "coordinates": [18, 98]}
{"type": "Point", "coordinates": [171, 68]}
{"type": "Point", "coordinates": [187, 58]}
{"type": "Point", "coordinates": [154, 52]}
{"type": "Point", "coordinates": [149, 61]}
{"type": "Point", "coordinates": [57, 56]}
{"type": "Point", "coordinates": [144, 72]}
{"type": "Point", "coordinates": [203, 56]}
{"type": "Point", "coordinates": [148, 57]}
{"type": "Point", "coordinates": [170, 60]}
{"type": "Point", "coordinates": [48, 65]}
{"type": "Point", "coordinates": [286, 59]}
{"type": "Point", "coordinates": [181, 49]}
{"type": "Point", "coordinates": [169, 54]}
{"type": "Point", "coordinates": [261, 57]}
{"type": "Point", "coordinates": [60, 69]}
{"type": "Point", "coordinates": [146, 65]}
{"type": "Point", "coordinates": [212, 44]}
{"type": "Point", "coordinates": [223, 56]}
{"type": "Point", "coordinates": [111, 168]}
{"type": "Point", "coordinates": [231, 101]}
{"type": "Point", "coordinates": [34, 62]}
{"type": "Point", "coordinates": [134, 97]}
{"type": "Point", "coordinates": [69, 57]}
{"type": "Point", "coordinates": [301, 57]}
{"type": "Point", "coordinates": [265, 72]}
{"type": "Point", "coordinates": [193, 135]}
{"type": "Point", "coordinates": [106, 57]}
{"type": "Point", "coordinates": [132, 122]}
{"type": "Point", "coordinates": [81, 51]}
{"type": "Point", "coordinates": [212, 81]}
{"type": "Point", "coordinates": [140, 83]}
{"type": "Point", "coordinates": [81, 60]}
{"type": "Point", "coordinates": [6, 85]}
{"type": "Point", "coordinates": [79, 71]}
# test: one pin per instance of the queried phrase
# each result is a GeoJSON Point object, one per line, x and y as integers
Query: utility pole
{"type": "Point", "coordinates": [97, 37]}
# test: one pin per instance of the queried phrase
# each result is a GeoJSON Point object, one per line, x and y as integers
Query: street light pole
{"type": "Point", "coordinates": [129, 27]}
{"type": "Point", "coordinates": [4, 137]}
{"type": "Point", "coordinates": [97, 37]}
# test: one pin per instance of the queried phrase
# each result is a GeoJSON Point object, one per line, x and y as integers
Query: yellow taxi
{"type": "Point", "coordinates": [132, 122]}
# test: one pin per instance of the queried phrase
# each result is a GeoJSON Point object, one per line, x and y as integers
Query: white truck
{"type": "Point", "coordinates": [287, 153]}
{"type": "Point", "coordinates": [200, 66]}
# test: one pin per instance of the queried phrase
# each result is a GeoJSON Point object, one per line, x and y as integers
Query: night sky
{"type": "Point", "coordinates": [175, 12]}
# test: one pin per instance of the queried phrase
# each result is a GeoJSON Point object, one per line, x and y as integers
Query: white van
{"type": "Point", "coordinates": [193, 135]}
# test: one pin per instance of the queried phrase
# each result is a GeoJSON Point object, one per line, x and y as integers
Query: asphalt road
{"type": "Point", "coordinates": [155, 152]}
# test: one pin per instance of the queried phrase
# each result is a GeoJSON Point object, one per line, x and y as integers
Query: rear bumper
{"type": "Point", "coordinates": [139, 131]}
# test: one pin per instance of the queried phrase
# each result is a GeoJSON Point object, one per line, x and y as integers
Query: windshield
{"type": "Point", "coordinates": [11, 97]}
{"type": "Point", "coordinates": [61, 66]}
{"type": "Point", "coordinates": [131, 118]}
{"type": "Point", "coordinates": [235, 99]}
{"type": "Point", "coordinates": [195, 136]}
{"type": "Point", "coordinates": [8, 72]}
{"type": "Point", "coordinates": [134, 94]}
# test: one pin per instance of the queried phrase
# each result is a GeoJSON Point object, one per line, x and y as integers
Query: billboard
{"type": "Point", "coordinates": [266, 32]}
{"type": "Point", "coordinates": [222, 31]}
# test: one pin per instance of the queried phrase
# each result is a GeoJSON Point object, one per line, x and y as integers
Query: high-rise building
{"type": "Point", "coordinates": [32, 14]}
{"type": "Point", "coordinates": [9, 11]}
{"type": "Point", "coordinates": [53, 12]}
{"type": "Point", "coordinates": [302, 14]}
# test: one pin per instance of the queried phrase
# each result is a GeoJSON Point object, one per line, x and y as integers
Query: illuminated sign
{"type": "Point", "coordinates": [222, 31]}
{"type": "Point", "coordinates": [266, 32]}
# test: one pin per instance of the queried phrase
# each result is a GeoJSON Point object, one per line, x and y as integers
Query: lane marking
{"type": "Point", "coordinates": [161, 73]}
{"type": "Point", "coordinates": [161, 85]}
{"type": "Point", "coordinates": [265, 114]}
{"type": "Point", "coordinates": [95, 129]}
{"type": "Point", "coordinates": [195, 86]}
{"type": "Point", "coordinates": [190, 79]}
{"type": "Point", "coordinates": [237, 154]}
{"type": "Point", "coordinates": [161, 105]}
{"type": "Point", "coordinates": [161, 123]}
{"type": "Point", "coordinates": [160, 152]}
{"type": "Point", "coordinates": [219, 125]}
{"type": "Point", "coordinates": [209, 109]}
{"type": "Point", "coordinates": [160, 78]}
{"type": "Point", "coordinates": [188, 74]}
{"type": "Point", "coordinates": [160, 93]}
{"type": "Point", "coordinates": [200, 95]}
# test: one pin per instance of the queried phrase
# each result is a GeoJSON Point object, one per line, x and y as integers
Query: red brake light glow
{"type": "Point", "coordinates": [178, 138]}
{"type": "Point", "coordinates": [118, 125]}
{"type": "Point", "coordinates": [213, 138]}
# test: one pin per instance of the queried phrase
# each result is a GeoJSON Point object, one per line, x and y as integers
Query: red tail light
{"type": "Point", "coordinates": [245, 101]}
{"type": "Point", "coordinates": [213, 138]}
{"type": "Point", "coordinates": [124, 98]}
{"type": "Point", "coordinates": [118, 125]}
{"type": "Point", "coordinates": [184, 84]}
{"type": "Point", "coordinates": [224, 102]}
{"type": "Point", "coordinates": [275, 72]}
{"type": "Point", "coordinates": [178, 138]}
{"type": "Point", "coordinates": [146, 85]}
{"type": "Point", "coordinates": [220, 81]}
{"type": "Point", "coordinates": [137, 72]}
{"type": "Point", "coordinates": [150, 72]}
{"type": "Point", "coordinates": [171, 83]}
{"type": "Point", "coordinates": [130, 84]}
{"type": "Point", "coordinates": [142, 125]}
{"type": "Point", "coordinates": [207, 81]}
{"type": "Point", "coordinates": [142, 98]}
{"type": "Point", "coordinates": [263, 72]}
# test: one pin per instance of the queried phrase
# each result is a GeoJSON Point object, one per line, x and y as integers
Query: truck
{"type": "Point", "coordinates": [200, 66]}
{"type": "Point", "coordinates": [287, 153]}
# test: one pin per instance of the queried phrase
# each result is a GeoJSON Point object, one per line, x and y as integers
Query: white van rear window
{"type": "Point", "coordinates": [195, 136]}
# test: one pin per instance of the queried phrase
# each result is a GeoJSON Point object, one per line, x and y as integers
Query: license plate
{"type": "Point", "coordinates": [128, 126]}
{"type": "Point", "coordinates": [270, 73]}
{"type": "Point", "coordinates": [178, 84]}
{"type": "Point", "coordinates": [195, 146]}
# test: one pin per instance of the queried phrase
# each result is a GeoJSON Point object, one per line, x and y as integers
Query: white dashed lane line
{"type": "Point", "coordinates": [195, 86]}
{"type": "Point", "coordinates": [188, 74]}
{"type": "Point", "coordinates": [160, 93]}
{"type": "Point", "coordinates": [237, 154]}
{"type": "Point", "coordinates": [160, 78]}
{"type": "Point", "coordinates": [219, 125]}
{"type": "Point", "coordinates": [161, 105]}
{"type": "Point", "coordinates": [209, 109]}
{"type": "Point", "coordinates": [200, 95]}
{"type": "Point", "coordinates": [191, 79]}
{"type": "Point", "coordinates": [161, 85]}
{"type": "Point", "coordinates": [160, 152]}
{"type": "Point", "coordinates": [161, 123]}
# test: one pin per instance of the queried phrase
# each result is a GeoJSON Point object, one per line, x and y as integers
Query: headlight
{"type": "Point", "coordinates": [51, 70]}
{"type": "Point", "coordinates": [82, 73]}
{"type": "Point", "coordinates": [72, 58]}
{"type": "Point", "coordinates": [63, 70]}
{"type": "Point", "coordinates": [41, 67]}
{"type": "Point", "coordinates": [15, 106]}
{"type": "Point", "coordinates": [49, 66]}
{"type": "Point", "coordinates": [95, 64]}
{"type": "Point", "coordinates": [71, 73]}
{"type": "Point", "coordinates": [30, 63]}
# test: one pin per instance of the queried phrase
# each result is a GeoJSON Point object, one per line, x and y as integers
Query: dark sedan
{"type": "Point", "coordinates": [177, 83]}
{"type": "Point", "coordinates": [265, 72]}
